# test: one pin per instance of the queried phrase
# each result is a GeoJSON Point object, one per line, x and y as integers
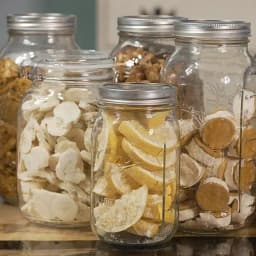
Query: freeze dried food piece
{"type": "Point", "coordinates": [65, 144]}
{"type": "Point", "coordinates": [213, 195]}
{"type": "Point", "coordinates": [218, 130]}
{"type": "Point", "coordinates": [76, 135]}
{"type": "Point", "coordinates": [249, 105]}
{"type": "Point", "coordinates": [248, 143]}
{"type": "Point", "coordinates": [191, 172]}
{"type": "Point", "coordinates": [188, 210]}
{"type": "Point", "coordinates": [8, 68]}
{"type": "Point", "coordinates": [83, 212]}
{"type": "Point", "coordinates": [187, 130]}
{"type": "Point", "coordinates": [26, 188]}
{"type": "Point", "coordinates": [229, 175]}
{"type": "Point", "coordinates": [77, 95]}
{"type": "Point", "coordinates": [104, 188]}
{"type": "Point", "coordinates": [56, 127]}
{"type": "Point", "coordinates": [70, 166]}
{"type": "Point", "coordinates": [68, 112]}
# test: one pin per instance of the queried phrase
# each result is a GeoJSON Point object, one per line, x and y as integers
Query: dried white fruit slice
{"type": "Point", "coordinates": [77, 135]}
{"type": "Point", "coordinates": [69, 166]}
{"type": "Point", "coordinates": [188, 210]}
{"type": "Point", "coordinates": [37, 159]}
{"type": "Point", "coordinates": [65, 144]}
{"type": "Point", "coordinates": [103, 188]}
{"type": "Point", "coordinates": [229, 174]}
{"type": "Point", "coordinates": [55, 126]}
{"type": "Point", "coordinates": [53, 206]}
{"type": "Point", "coordinates": [77, 94]}
{"type": "Point", "coordinates": [67, 111]}
{"type": "Point", "coordinates": [26, 188]}
{"type": "Point", "coordinates": [191, 172]}
{"type": "Point", "coordinates": [154, 163]}
{"type": "Point", "coordinates": [248, 105]}
{"type": "Point", "coordinates": [48, 103]}
{"type": "Point", "coordinates": [187, 130]}
{"type": "Point", "coordinates": [213, 195]}
{"type": "Point", "coordinates": [219, 220]}
{"type": "Point", "coordinates": [88, 138]}
{"type": "Point", "coordinates": [124, 212]}
{"type": "Point", "coordinates": [218, 130]}
{"type": "Point", "coordinates": [86, 156]}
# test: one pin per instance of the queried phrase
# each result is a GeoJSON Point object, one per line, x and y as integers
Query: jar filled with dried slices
{"type": "Point", "coordinates": [28, 33]}
{"type": "Point", "coordinates": [144, 43]}
{"type": "Point", "coordinates": [217, 168]}
{"type": "Point", "coordinates": [54, 137]}
{"type": "Point", "coordinates": [135, 164]}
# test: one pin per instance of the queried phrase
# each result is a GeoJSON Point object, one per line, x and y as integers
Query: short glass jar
{"type": "Point", "coordinates": [135, 165]}
{"type": "Point", "coordinates": [144, 43]}
{"type": "Point", "coordinates": [28, 33]}
{"type": "Point", "coordinates": [54, 137]}
{"type": "Point", "coordinates": [216, 178]}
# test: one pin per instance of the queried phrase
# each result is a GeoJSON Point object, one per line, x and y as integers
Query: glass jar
{"type": "Point", "coordinates": [54, 137]}
{"type": "Point", "coordinates": [28, 33]}
{"type": "Point", "coordinates": [215, 178]}
{"type": "Point", "coordinates": [135, 165]}
{"type": "Point", "coordinates": [144, 43]}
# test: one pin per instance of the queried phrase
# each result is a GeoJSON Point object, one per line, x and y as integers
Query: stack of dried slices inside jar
{"type": "Point", "coordinates": [217, 168]}
{"type": "Point", "coordinates": [135, 174]}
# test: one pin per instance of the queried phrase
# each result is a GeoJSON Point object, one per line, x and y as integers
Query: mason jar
{"type": "Point", "coordinates": [54, 137]}
{"type": "Point", "coordinates": [135, 165]}
{"type": "Point", "coordinates": [216, 177]}
{"type": "Point", "coordinates": [28, 33]}
{"type": "Point", "coordinates": [144, 43]}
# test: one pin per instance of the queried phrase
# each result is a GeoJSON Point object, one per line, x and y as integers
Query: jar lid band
{"type": "Point", "coordinates": [212, 29]}
{"type": "Point", "coordinates": [138, 94]}
{"type": "Point", "coordinates": [158, 24]}
{"type": "Point", "coordinates": [41, 23]}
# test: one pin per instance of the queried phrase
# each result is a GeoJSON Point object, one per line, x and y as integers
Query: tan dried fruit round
{"type": "Point", "coordinates": [248, 143]}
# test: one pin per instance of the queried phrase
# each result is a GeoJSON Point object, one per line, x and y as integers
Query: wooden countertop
{"type": "Point", "coordinates": [14, 227]}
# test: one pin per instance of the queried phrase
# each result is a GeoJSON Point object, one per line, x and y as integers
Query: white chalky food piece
{"type": "Point", "coordinates": [52, 206]}
{"type": "Point", "coordinates": [188, 214]}
{"type": "Point", "coordinates": [87, 138]}
{"type": "Point", "coordinates": [76, 95]}
{"type": "Point", "coordinates": [77, 135]}
{"type": "Point", "coordinates": [26, 188]}
{"type": "Point", "coordinates": [68, 112]}
{"type": "Point", "coordinates": [229, 174]}
{"type": "Point", "coordinates": [219, 222]}
{"type": "Point", "coordinates": [29, 105]}
{"type": "Point", "coordinates": [56, 127]}
{"type": "Point", "coordinates": [69, 166]}
{"type": "Point", "coordinates": [37, 159]}
{"type": "Point", "coordinates": [49, 103]}
{"type": "Point", "coordinates": [63, 145]}
{"type": "Point", "coordinates": [86, 156]}
{"type": "Point", "coordinates": [187, 129]}
{"type": "Point", "coordinates": [248, 105]}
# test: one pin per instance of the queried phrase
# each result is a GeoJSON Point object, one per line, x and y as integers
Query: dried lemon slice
{"type": "Point", "coordinates": [150, 141]}
{"type": "Point", "coordinates": [103, 188]}
{"type": "Point", "coordinates": [154, 163]}
{"type": "Point", "coordinates": [124, 212]}
{"type": "Point", "coordinates": [153, 120]}
{"type": "Point", "coordinates": [153, 180]}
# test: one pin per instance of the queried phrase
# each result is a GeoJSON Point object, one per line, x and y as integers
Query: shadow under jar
{"type": "Point", "coordinates": [54, 137]}
{"type": "Point", "coordinates": [144, 43]}
{"type": "Point", "coordinates": [135, 165]}
{"type": "Point", "coordinates": [216, 177]}
{"type": "Point", "coordinates": [28, 33]}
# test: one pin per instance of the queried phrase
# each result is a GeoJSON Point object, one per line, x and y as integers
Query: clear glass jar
{"type": "Point", "coordinates": [54, 137]}
{"type": "Point", "coordinates": [216, 179]}
{"type": "Point", "coordinates": [135, 165]}
{"type": "Point", "coordinates": [144, 43]}
{"type": "Point", "coordinates": [28, 33]}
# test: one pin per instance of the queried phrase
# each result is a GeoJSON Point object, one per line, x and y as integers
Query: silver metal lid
{"type": "Point", "coordinates": [138, 94]}
{"type": "Point", "coordinates": [159, 24]}
{"type": "Point", "coordinates": [213, 29]}
{"type": "Point", "coordinates": [41, 23]}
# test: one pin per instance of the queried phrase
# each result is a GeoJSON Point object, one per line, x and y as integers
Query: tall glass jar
{"type": "Point", "coordinates": [28, 33]}
{"type": "Point", "coordinates": [144, 43]}
{"type": "Point", "coordinates": [54, 137]}
{"type": "Point", "coordinates": [135, 165]}
{"type": "Point", "coordinates": [216, 177]}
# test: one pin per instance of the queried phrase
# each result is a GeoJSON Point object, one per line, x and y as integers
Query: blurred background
{"type": "Point", "coordinates": [97, 18]}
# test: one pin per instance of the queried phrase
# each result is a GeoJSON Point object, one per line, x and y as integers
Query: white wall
{"type": "Point", "coordinates": [109, 10]}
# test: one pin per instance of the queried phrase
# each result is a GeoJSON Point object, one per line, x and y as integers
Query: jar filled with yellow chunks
{"type": "Point", "coordinates": [135, 165]}
{"type": "Point", "coordinates": [54, 137]}
{"type": "Point", "coordinates": [28, 33]}
{"type": "Point", "coordinates": [144, 43]}
{"type": "Point", "coordinates": [217, 169]}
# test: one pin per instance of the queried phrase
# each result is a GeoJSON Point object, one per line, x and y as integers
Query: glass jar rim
{"type": "Point", "coordinates": [37, 23]}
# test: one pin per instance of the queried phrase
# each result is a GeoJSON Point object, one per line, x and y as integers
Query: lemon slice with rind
{"type": "Point", "coordinates": [153, 120]}
{"type": "Point", "coordinates": [154, 163]}
{"type": "Point", "coordinates": [153, 180]}
{"type": "Point", "coordinates": [123, 213]}
{"type": "Point", "coordinates": [150, 141]}
{"type": "Point", "coordinates": [103, 188]}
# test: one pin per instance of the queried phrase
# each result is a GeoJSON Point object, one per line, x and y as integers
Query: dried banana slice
{"type": "Point", "coordinates": [70, 167]}
{"type": "Point", "coordinates": [187, 130]}
{"type": "Point", "coordinates": [37, 159]}
{"type": "Point", "coordinates": [48, 103]}
{"type": "Point", "coordinates": [87, 138]}
{"type": "Point", "coordinates": [26, 188]}
{"type": "Point", "coordinates": [249, 105]}
{"type": "Point", "coordinates": [188, 210]}
{"type": "Point", "coordinates": [77, 135]}
{"type": "Point", "coordinates": [55, 126]}
{"type": "Point", "coordinates": [65, 144]}
{"type": "Point", "coordinates": [218, 130]}
{"type": "Point", "coordinates": [76, 95]}
{"type": "Point", "coordinates": [53, 206]}
{"type": "Point", "coordinates": [191, 172]}
{"type": "Point", "coordinates": [213, 195]}
{"type": "Point", "coordinates": [68, 112]}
